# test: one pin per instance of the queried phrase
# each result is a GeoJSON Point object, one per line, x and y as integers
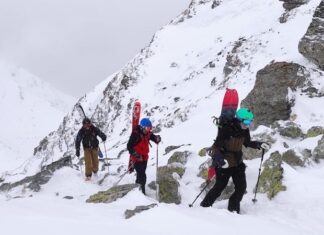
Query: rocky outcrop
{"type": "Point", "coordinates": [169, 175]}
{"type": "Point", "coordinates": [179, 157]}
{"type": "Point", "coordinates": [312, 43]}
{"type": "Point", "coordinates": [291, 130]}
{"type": "Point", "coordinates": [291, 4]}
{"type": "Point", "coordinates": [269, 97]}
{"type": "Point", "coordinates": [34, 182]}
{"type": "Point", "coordinates": [130, 213]}
{"type": "Point", "coordinates": [319, 150]}
{"type": "Point", "coordinates": [292, 159]}
{"type": "Point", "coordinates": [168, 184]}
{"type": "Point", "coordinates": [271, 177]}
{"type": "Point", "coordinates": [111, 194]}
{"type": "Point", "coordinates": [315, 131]}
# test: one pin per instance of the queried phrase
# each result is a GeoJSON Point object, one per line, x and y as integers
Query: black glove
{"type": "Point", "coordinates": [104, 138]}
{"type": "Point", "coordinates": [219, 161]}
{"type": "Point", "coordinates": [157, 139]}
{"type": "Point", "coordinates": [138, 156]}
{"type": "Point", "coordinates": [77, 152]}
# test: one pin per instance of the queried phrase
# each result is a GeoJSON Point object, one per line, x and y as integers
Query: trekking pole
{"type": "Point", "coordinates": [256, 187]}
{"type": "Point", "coordinates": [125, 173]}
{"type": "Point", "coordinates": [208, 182]}
{"type": "Point", "coordinates": [80, 163]}
{"type": "Point", "coordinates": [156, 174]}
{"type": "Point", "coordinates": [106, 163]}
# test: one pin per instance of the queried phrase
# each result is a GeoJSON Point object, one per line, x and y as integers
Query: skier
{"type": "Point", "coordinates": [88, 135]}
{"type": "Point", "coordinates": [227, 156]}
{"type": "Point", "coordinates": [138, 147]}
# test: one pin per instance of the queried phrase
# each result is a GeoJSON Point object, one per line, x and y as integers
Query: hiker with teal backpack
{"type": "Point", "coordinates": [227, 156]}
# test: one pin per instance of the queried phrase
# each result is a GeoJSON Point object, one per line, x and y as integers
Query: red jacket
{"type": "Point", "coordinates": [139, 143]}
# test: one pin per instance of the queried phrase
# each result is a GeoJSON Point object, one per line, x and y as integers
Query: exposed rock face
{"type": "Point", "coordinates": [291, 130]}
{"type": "Point", "coordinates": [168, 184]}
{"type": "Point", "coordinates": [319, 150]}
{"type": "Point", "coordinates": [138, 209]}
{"type": "Point", "coordinates": [34, 182]}
{"type": "Point", "coordinates": [291, 4]}
{"type": "Point", "coordinates": [271, 177]}
{"type": "Point", "coordinates": [315, 131]}
{"type": "Point", "coordinates": [312, 43]}
{"type": "Point", "coordinates": [180, 157]}
{"type": "Point", "coordinates": [269, 97]}
{"type": "Point", "coordinates": [111, 194]}
{"type": "Point", "coordinates": [291, 158]}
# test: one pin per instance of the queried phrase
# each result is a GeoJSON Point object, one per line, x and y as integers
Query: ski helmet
{"type": "Point", "coordinates": [244, 114]}
{"type": "Point", "coordinates": [145, 122]}
{"type": "Point", "coordinates": [86, 121]}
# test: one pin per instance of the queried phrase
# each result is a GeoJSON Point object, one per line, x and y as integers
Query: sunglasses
{"type": "Point", "coordinates": [246, 122]}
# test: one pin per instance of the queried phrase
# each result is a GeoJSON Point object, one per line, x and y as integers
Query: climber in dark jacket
{"type": "Point", "coordinates": [138, 147]}
{"type": "Point", "coordinates": [88, 135]}
{"type": "Point", "coordinates": [227, 158]}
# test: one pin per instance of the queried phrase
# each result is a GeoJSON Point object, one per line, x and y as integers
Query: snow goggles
{"type": "Point", "coordinates": [246, 122]}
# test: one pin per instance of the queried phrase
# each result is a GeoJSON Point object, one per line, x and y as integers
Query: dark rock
{"type": "Point", "coordinates": [291, 158]}
{"type": "Point", "coordinates": [34, 182]}
{"type": "Point", "coordinates": [152, 185]}
{"type": "Point", "coordinates": [111, 194]}
{"type": "Point", "coordinates": [138, 209]}
{"type": "Point", "coordinates": [319, 150]}
{"type": "Point", "coordinates": [312, 43]}
{"type": "Point", "coordinates": [292, 130]}
{"type": "Point", "coordinates": [291, 4]}
{"type": "Point", "coordinates": [68, 197]}
{"type": "Point", "coordinates": [268, 98]}
{"type": "Point", "coordinates": [285, 145]}
{"type": "Point", "coordinates": [270, 181]}
{"type": "Point", "coordinates": [315, 131]}
{"type": "Point", "coordinates": [171, 148]}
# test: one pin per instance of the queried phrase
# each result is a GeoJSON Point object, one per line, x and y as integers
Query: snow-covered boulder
{"type": "Point", "coordinates": [291, 158]}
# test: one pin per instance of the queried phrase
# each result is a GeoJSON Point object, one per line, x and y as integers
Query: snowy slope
{"type": "Point", "coordinates": [30, 109]}
{"type": "Point", "coordinates": [179, 78]}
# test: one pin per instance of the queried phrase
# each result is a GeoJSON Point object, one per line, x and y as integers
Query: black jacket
{"type": "Point", "coordinates": [230, 140]}
{"type": "Point", "coordinates": [89, 137]}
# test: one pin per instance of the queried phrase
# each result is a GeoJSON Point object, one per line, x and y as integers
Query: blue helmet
{"type": "Point", "coordinates": [145, 122]}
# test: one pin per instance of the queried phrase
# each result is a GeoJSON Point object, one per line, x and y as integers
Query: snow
{"type": "Point", "coordinates": [30, 109]}
{"type": "Point", "coordinates": [176, 66]}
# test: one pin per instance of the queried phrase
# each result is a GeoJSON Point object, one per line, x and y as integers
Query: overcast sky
{"type": "Point", "coordinates": [75, 44]}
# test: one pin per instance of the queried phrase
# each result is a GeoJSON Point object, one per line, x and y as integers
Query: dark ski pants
{"type": "Point", "coordinates": [91, 161]}
{"type": "Point", "coordinates": [140, 168]}
{"type": "Point", "coordinates": [222, 177]}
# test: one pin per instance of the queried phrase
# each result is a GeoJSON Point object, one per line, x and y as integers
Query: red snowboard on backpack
{"type": "Point", "coordinates": [229, 107]}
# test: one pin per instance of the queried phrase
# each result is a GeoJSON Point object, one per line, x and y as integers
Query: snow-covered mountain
{"type": "Point", "coordinates": [259, 47]}
{"type": "Point", "coordinates": [30, 109]}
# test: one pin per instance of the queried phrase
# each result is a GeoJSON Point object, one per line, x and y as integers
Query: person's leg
{"type": "Point", "coordinates": [239, 180]}
{"type": "Point", "coordinates": [94, 160]}
{"type": "Point", "coordinates": [222, 177]}
{"type": "Point", "coordinates": [140, 168]}
{"type": "Point", "coordinates": [88, 163]}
